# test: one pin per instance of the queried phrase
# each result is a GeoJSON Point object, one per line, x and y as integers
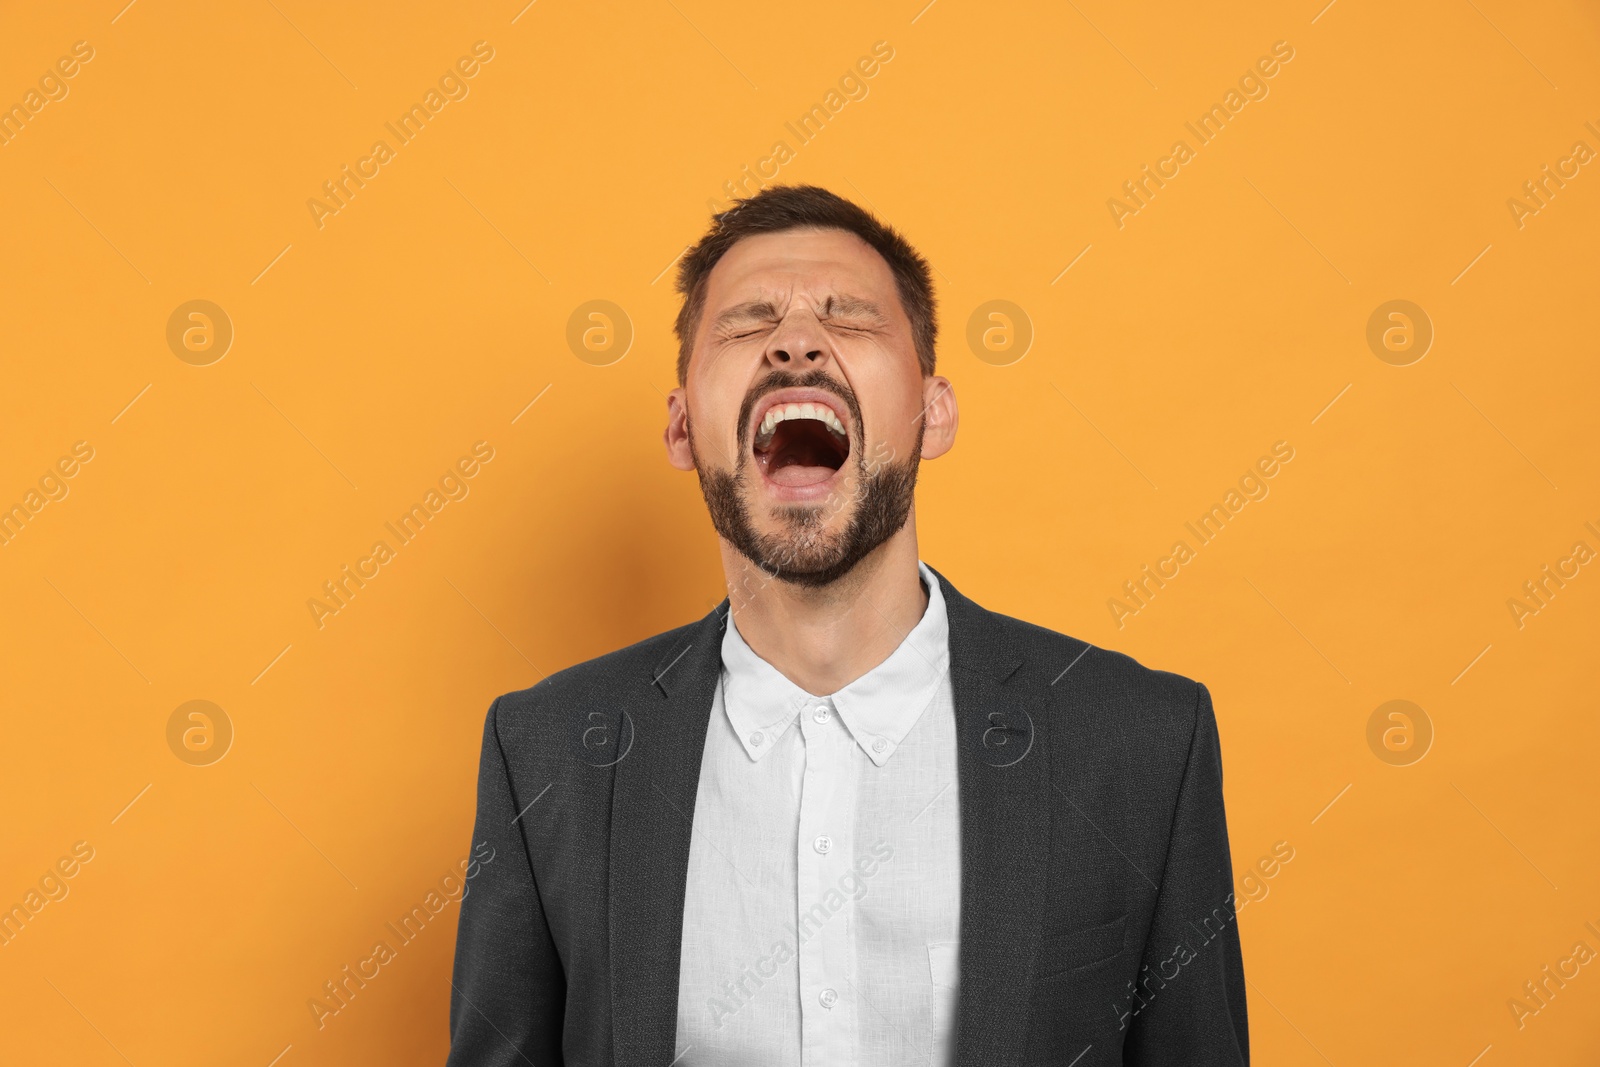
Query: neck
{"type": "Point", "coordinates": [822, 639]}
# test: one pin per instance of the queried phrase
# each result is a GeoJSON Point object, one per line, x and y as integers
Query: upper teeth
{"type": "Point", "coordinates": [785, 412]}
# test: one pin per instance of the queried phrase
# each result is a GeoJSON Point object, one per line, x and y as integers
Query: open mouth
{"type": "Point", "coordinates": [800, 443]}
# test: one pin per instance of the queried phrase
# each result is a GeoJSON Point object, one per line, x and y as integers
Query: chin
{"type": "Point", "coordinates": [806, 546]}
{"type": "Point", "coordinates": [812, 546]}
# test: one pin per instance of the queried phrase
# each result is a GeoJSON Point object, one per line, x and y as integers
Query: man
{"type": "Point", "coordinates": [848, 817]}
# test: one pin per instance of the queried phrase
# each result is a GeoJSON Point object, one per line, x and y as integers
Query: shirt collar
{"type": "Point", "coordinates": [879, 708]}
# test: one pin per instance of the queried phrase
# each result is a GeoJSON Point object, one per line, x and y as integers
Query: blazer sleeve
{"type": "Point", "coordinates": [509, 991]}
{"type": "Point", "coordinates": [1192, 1008]}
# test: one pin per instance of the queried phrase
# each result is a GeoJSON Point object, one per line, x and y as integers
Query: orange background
{"type": "Point", "coordinates": [369, 354]}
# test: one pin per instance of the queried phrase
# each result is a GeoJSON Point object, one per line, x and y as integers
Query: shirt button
{"type": "Point", "coordinates": [824, 845]}
{"type": "Point", "coordinates": [879, 745]}
{"type": "Point", "coordinates": [756, 738]}
{"type": "Point", "coordinates": [828, 997]}
{"type": "Point", "coordinates": [821, 715]}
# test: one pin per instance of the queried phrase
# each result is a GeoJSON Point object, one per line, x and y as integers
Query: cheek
{"type": "Point", "coordinates": [887, 380]}
{"type": "Point", "coordinates": [892, 418]}
{"type": "Point", "coordinates": [714, 420]}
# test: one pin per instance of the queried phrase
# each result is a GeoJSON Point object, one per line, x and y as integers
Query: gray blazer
{"type": "Point", "coordinates": [1097, 915]}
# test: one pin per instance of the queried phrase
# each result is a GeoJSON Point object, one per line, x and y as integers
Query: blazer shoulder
{"type": "Point", "coordinates": [1136, 717]}
{"type": "Point", "coordinates": [600, 681]}
{"type": "Point", "coordinates": [1103, 679]}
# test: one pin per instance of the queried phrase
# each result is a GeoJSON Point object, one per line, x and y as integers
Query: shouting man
{"type": "Point", "coordinates": [849, 817]}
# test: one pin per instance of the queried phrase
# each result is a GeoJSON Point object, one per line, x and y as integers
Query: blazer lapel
{"type": "Point", "coordinates": [1003, 776]}
{"type": "Point", "coordinates": [652, 813]}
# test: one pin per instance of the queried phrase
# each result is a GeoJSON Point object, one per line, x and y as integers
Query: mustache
{"type": "Point", "coordinates": [813, 379]}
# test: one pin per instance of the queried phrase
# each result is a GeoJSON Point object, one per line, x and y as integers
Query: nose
{"type": "Point", "coordinates": [798, 344]}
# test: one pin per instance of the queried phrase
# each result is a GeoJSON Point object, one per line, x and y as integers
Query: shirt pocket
{"type": "Point", "coordinates": [944, 963]}
{"type": "Point", "coordinates": [1080, 949]}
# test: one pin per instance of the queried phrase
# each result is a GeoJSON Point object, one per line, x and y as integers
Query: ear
{"type": "Point", "coordinates": [676, 434]}
{"type": "Point", "coordinates": [940, 416]}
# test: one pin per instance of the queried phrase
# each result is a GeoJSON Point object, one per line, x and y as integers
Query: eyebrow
{"type": "Point", "coordinates": [845, 305]}
{"type": "Point", "coordinates": [749, 311]}
{"type": "Point", "coordinates": [763, 310]}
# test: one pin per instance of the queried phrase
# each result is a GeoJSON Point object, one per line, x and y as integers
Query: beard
{"type": "Point", "coordinates": [803, 552]}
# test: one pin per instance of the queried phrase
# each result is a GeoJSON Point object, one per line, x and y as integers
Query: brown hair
{"type": "Point", "coordinates": [790, 207]}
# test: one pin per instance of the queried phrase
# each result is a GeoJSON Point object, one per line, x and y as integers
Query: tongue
{"type": "Point", "coordinates": [795, 474]}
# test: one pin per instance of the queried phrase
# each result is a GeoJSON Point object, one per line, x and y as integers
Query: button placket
{"type": "Point", "coordinates": [825, 912]}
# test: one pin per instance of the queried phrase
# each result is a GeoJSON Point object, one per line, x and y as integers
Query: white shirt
{"type": "Point", "coordinates": [822, 916]}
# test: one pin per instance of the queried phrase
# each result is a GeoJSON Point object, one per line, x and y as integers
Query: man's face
{"type": "Point", "coordinates": [805, 411]}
